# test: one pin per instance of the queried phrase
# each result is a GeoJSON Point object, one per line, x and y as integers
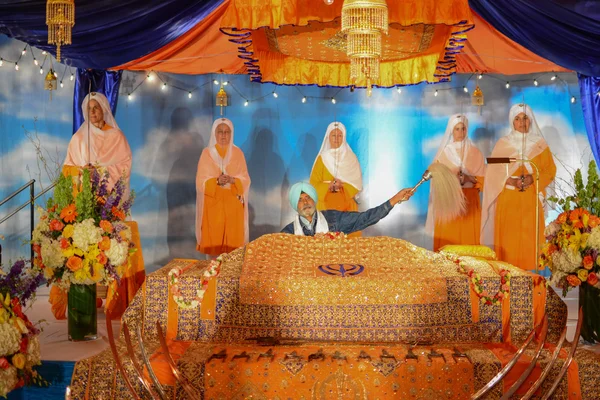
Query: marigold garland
{"type": "Point", "coordinates": [477, 283]}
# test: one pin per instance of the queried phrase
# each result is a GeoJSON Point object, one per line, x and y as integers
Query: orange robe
{"type": "Point", "coordinates": [223, 216]}
{"type": "Point", "coordinates": [464, 229]}
{"type": "Point", "coordinates": [342, 200]}
{"type": "Point", "coordinates": [514, 228]}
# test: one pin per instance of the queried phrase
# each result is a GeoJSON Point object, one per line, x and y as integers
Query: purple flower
{"type": "Point", "coordinates": [19, 284]}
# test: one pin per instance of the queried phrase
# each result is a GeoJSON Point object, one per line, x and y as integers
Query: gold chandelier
{"type": "Point", "coordinates": [60, 18]}
{"type": "Point", "coordinates": [363, 22]}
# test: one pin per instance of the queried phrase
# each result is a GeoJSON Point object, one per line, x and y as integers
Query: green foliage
{"type": "Point", "coordinates": [587, 195]}
{"type": "Point", "coordinates": [85, 199]}
{"type": "Point", "coordinates": [63, 192]}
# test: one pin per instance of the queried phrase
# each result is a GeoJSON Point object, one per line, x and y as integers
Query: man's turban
{"type": "Point", "coordinates": [298, 189]}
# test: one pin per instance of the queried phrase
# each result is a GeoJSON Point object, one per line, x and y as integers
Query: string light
{"type": "Point", "coordinates": [24, 51]}
{"type": "Point", "coordinates": [129, 96]}
{"type": "Point", "coordinates": [573, 99]}
{"type": "Point", "coordinates": [44, 52]}
{"type": "Point", "coordinates": [41, 71]}
{"type": "Point", "coordinates": [72, 77]}
{"type": "Point", "coordinates": [436, 93]}
{"type": "Point", "coordinates": [164, 86]}
{"type": "Point", "coordinates": [61, 84]}
{"type": "Point", "coordinates": [465, 89]}
{"type": "Point", "coordinates": [479, 76]}
{"type": "Point", "coordinates": [55, 74]}
{"type": "Point", "coordinates": [225, 83]}
{"type": "Point", "coordinates": [507, 85]}
{"type": "Point", "coordinates": [333, 100]}
{"type": "Point", "coordinates": [1, 61]}
{"type": "Point", "coordinates": [35, 61]}
{"type": "Point", "coordinates": [304, 99]}
{"type": "Point", "coordinates": [216, 82]}
{"type": "Point", "coordinates": [246, 103]}
{"type": "Point", "coordinates": [16, 66]}
{"type": "Point", "coordinates": [189, 95]}
{"type": "Point", "coordinates": [399, 90]}
{"type": "Point", "coordinates": [275, 95]}
{"type": "Point", "coordinates": [554, 78]}
{"type": "Point", "coordinates": [535, 82]}
{"type": "Point", "coordinates": [150, 77]}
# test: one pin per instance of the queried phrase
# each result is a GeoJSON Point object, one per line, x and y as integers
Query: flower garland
{"type": "Point", "coordinates": [477, 283]}
{"type": "Point", "coordinates": [213, 270]}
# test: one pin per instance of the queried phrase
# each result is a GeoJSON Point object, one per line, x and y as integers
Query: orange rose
{"type": "Point", "coordinates": [106, 226]}
{"type": "Point", "coordinates": [37, 248]}
{"type": "Point", "coordinates": [102, 258]}
{"type": "Point", "coordinates": [74, 263]}
{"type": "Point", "coordinates": [593, 221]}
{"type": "Point", "coordinates": [562, 218]}
{"type": "Point", "coordinates": [56, 225]}
{"type": "Point", "coordinates": [573, 280]}
{"type": "Point", "coordinates": [68, 213]}
{"type": "Point", "coordinates": [592, 278]}
{"type": "Point", "coordinates": [588, 262]}
{"type": "Point", "coordinates": [64, 244]}
{"type": "Point", "coordinates": [119, 214]}
{"type": "Point", "coordinates": [105, 243]}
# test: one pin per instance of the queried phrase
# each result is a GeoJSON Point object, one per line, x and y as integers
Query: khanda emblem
{"type": "Point", "coordinates": [342, 270]}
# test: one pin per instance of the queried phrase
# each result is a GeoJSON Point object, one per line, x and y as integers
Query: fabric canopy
{"type": "Point", "coordinates": [107, 33]}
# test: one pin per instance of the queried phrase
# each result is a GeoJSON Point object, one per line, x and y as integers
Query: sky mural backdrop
{"type": "Point", "coordinates": [395, 136]}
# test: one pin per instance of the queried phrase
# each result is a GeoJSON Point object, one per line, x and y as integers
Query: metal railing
{"type": "Point", "coordinates": [30, 203]}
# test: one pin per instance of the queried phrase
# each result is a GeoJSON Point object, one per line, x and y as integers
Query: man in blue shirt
{"type": "Point", "coordinates": [309, 221]}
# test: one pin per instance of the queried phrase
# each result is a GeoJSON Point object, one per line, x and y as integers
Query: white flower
{"type": "Point", "coordinates": [42, 226]}
{"type": "Point", "coordinates": [10, 338]}
{"type": "Point", "coordinates": [566, 261]}
{"type": "Point", "coordinates": [594, 238]}
{"type": "Point", "coordinates": [33, 352]}
{"type": "Point", "coordinates": [51, 253]}
{"type": "Point", "coordinates": [86, 233]}
{"type": "Point", "coordinates": [8, 380]}
{"type": "Point", "coordinates": [117, 254]}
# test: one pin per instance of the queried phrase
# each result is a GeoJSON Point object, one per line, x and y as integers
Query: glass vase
{"type": "Point", "coordinates": [82, 317]}
{"type": "Point", "coordinates": [589, 300]}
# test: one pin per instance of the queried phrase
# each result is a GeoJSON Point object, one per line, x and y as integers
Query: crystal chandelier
{"type": "Point", "coordinates": [60, 18]}
{"type": "Point", "coordinates": [363, 22]}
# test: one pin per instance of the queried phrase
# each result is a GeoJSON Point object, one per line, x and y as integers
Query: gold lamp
{"type": "Point", "coordinates": [50, 82]}
{"type": "Point", "coordinates": [222, 99]}
{"type": "Point", "coordinates": [60, 18]}
{"type": "Point", "coordinates": [477, 99]}
{"type": "Point", "coordinates": [363, 22]}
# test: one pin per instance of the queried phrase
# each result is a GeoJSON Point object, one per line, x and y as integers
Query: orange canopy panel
{"type": "Point", "coordinates": [201, 50]}
{"type": "Point", "coordinates": [489, 51]}
{"type": "Point", "coordinates": [299, 41]}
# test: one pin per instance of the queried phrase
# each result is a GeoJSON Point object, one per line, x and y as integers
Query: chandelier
{"type": "Point", "coordinates": [60, 18]}
{"type": "Point", "coordinates": [363, 22]}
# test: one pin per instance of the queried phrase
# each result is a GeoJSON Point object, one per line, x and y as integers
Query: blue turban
{"type": "Point", "coordinates": [298, 189]}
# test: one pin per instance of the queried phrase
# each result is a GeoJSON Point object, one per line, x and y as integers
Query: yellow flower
{"type": "Point", "coordinates": [18, 360]}
{"type": "Point", "coordinates": [19, 324]}
{"type": "Point", "coordinates": [68, 231]}
{"type": "Point", "coordinates": [97, 272]}
{"type": "Point", "coordinates": [585, 218]}
{"type": "Point", "coordinates": [82, 274]}
{"type": "Point", "coordinates": [4, 315]}
{"type": "Point", "coordinates": [48, 273]}
{"type": "Point", "coordinates": [582, 274]}
{"type": "Point", "coordinates": [6, 299]}
{"type": "Point", "coordinates": [578, 240]}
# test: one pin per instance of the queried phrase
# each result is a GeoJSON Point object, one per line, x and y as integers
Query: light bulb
{"type": "Point", "coordinates": [216, 82]}
{"type": "Point", "coordinates": [573, 99]}
{"type": "Point", "coordinates": [72, 77]}
{"type": "Point", "coordinates": [1, 61]}
{"type": "Point", "coordinates": [61, 84]}
{"type": "Point", "coordinates": [150, 77]}
{"type": "Point", "coordinates": [535, 82]}
{"type": "Point", "coordinates": [399, 90]}
{"type": "Point", "coordinates": [553, 78]}
{"type": "Point", "coordinates": [56, 74]}
{"type": "Point", "coordinates": [466, 89]}
{"type": "Point", "coordinates": [333, 100]}
{"type": "Point", "coordinates": [225, 83]}
{"type": "Point", "coordinates": [328, 2]}
{"type": "Point", "coordinates": [129, 96]}
{"type": "Point", "coordinates": [507, 85]}
{"type": "Point", "coordinates": [304, 99]}
{"type": "Point", "coordinates": [164, 86]}
{"type": "Point", "coordinates": [189, 95]}
{"type": "Point", "coordinates": [275, 95]}
{"type": "Point", "coordinates": [41, 71]}
{"type": "Point", "coordinates": [35, 61]}
{"type": "Point", "coordinates": [436, 93]}
{"type": "Point", "coordinates": [16, 67]}
{"type": "Point", "coordinates": [246, 103]}
{"type": "Point", "coordinates": [480, 76]}
{"type": "Point", "coordinates": [24, 51]}
{"type": "Point", "coordinates": [44, 52]}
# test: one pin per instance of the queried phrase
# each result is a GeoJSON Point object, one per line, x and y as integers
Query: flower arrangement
{"type": "Point", "coordinates": [572, 248]}
{"type": "Point", "coordinates": [213, 270]}
{"type": "Point", "coordinates": [81, 237]}
{"type": "Point", "coordinates": [19, 345]}
{"type": "Point", "coordinates": [477, 283]}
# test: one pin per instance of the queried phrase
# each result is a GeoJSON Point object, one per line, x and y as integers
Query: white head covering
{"type": "Point", "coordinates": [515, 145]}
{"type": "Point", "coordinates": [458, 156]}
{"type": "Point", "coordinates": [222, 162]}
{"type": "Point", "coordinates": [105, 147]}
{"type": "Point", "coordinates": [341, 162]}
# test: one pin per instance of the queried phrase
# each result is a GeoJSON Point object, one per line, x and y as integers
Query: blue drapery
{"type": "Point", "coordinates": [590, 103]}
{"type": "Point", "coordinates": [107, 33]}
{"type": "Point", "coordinates": [105, 82]}
{"type": "Point", "coordinates": [566, 32]}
